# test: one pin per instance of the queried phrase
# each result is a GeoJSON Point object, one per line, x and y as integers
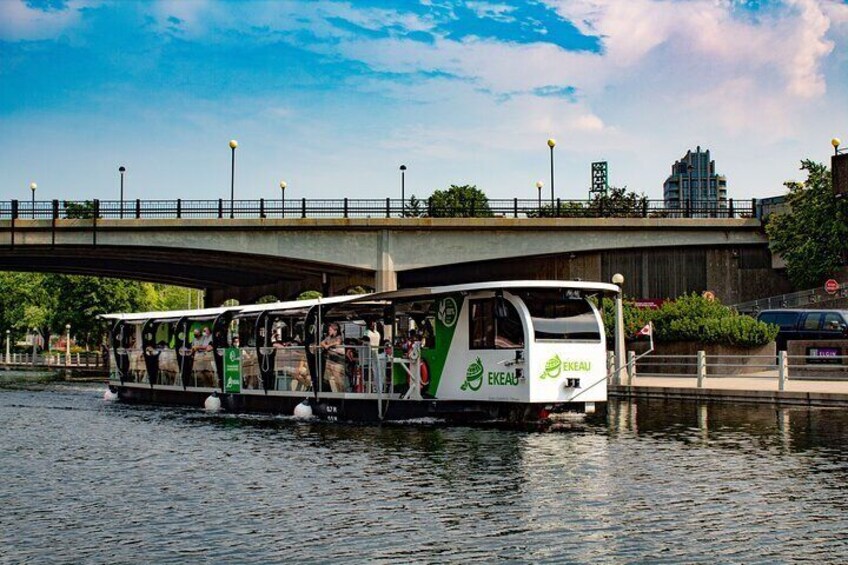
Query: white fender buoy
{"type": "Point", "coordinates": [212, 403]}
{"type": "Point", "coordinates": [303, 410]}
{"type": "Point", "coordinates": [110, 395]}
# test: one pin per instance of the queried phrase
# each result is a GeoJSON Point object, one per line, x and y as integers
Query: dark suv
{"type": "Point", "coordinates": [806, 324]}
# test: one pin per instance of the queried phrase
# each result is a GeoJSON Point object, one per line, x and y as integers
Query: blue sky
{"type": "Point", "coordinates": [333, 96]}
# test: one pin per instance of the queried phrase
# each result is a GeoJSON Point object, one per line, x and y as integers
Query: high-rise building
{"type": "Point", "coordinates": [694, 185]}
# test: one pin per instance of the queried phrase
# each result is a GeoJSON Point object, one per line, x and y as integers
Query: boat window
{"type": "Point", "coordinates": [490, 331]}
{"type": "Point", "coordinates": [558, 318]}
{"type": "Point", "coordinates": [415, 322]}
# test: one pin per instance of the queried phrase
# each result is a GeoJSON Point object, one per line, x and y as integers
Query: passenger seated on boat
{"type": "Point", "coordinates": [168, 368]}
{"type": "Point", "coordinates": [204, 369]}
{"type": "Point", "coordinates": [138, 369]}
{"type": "Point", "coordinates": [201, 342]}
{"type": "Point", "coordinates": [352, 366]}
{"type": "Point", "coordinates": [250, 370]}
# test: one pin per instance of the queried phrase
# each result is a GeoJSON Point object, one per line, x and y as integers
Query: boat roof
{"type": "Point", "coordinates": [496, 285]}
{"type": "Point", "coordinates": [213, 312]}
{"type": "Point", "coordinates": [605, 288]}
{"type": "Point", "coordinates": [168, 314]}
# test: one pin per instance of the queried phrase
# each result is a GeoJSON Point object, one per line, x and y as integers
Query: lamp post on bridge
{"type": "Point", "coordinates": [233, 145]}
{"type": "Point", "coordinates": [32, 187]}
{"type": "Point", "coordinates": [122, 169]}
{"type": "Point", "coordinates": [283, 186]}
{"type": "Point", "coordinates": [836, 142]}
{"type": "Point", "coordinates": [67, 344]}
{"type": "Point", "coordinates": [539, 185]}
{"type": "Point", "coordinates": [689, 169]}
{"type": "Point", "coordinates": [402, 190]}
{"type": "Point", "coordinates": [552, 144]}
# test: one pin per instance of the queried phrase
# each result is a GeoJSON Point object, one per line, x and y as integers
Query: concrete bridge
{"type": "Point", "coordinates": [248, 258]}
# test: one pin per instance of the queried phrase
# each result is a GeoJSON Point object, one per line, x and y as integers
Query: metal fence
{"type": "Point", "coordinates": [367, 208]}
{"type": "Point", "coordinates": [49, 360]}
{"type": "Point", "coordinates": [812, 298]}
{"type": "Point", "coordinates": [702, 368]}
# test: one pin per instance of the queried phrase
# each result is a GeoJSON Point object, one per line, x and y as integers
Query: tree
{"type": "Point", "coordinates": [618, 202]}
{"type": "Point", "coordinates": [78, 300]}
{"type": "Point", "coordinates": [811, 237]}
{"type": "Point", "coordinates": [465, 201]}
{"type": "Point", "coordinates": [413, 209]}
{"type": "Point", "coordinates": [80, 210]}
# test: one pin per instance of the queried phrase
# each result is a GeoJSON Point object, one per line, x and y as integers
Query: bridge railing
{"type": "Point", "coordinates": [369, 208]}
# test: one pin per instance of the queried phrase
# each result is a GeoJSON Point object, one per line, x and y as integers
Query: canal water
{"type": "Point", "coordinates": [86, 481]}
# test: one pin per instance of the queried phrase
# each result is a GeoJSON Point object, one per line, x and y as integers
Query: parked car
{"type": "Point", "coordinates": [806, 324]}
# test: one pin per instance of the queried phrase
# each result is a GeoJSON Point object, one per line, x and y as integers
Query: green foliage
{"type": "Point", "coordinates": [465, 201]}
{"type": "Point", "coordinates": [693, 318]}
{"type": "Point", "coordinates": [414, 209]}
{"type": "Point", "coordinates": [49, 302]}
{"type": "Point", "coordinates": [309, 295]}
{"type": "Point", "coordinates": [618, 202]}
{"type": "Point", "coordinates": [83, 210]}
{"type": "Point", "coordinates": [811, 236]}
{"type": "Point", "coordinates": [79, 300]}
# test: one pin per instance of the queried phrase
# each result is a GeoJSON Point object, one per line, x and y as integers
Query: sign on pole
{"type": "Point", "coordinates": [831, 286]}
{"type": "Point", "coordinates": [232, 369]}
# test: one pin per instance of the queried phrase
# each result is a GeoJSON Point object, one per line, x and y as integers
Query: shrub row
{"type": "Point", "coordinates": [692, 318]}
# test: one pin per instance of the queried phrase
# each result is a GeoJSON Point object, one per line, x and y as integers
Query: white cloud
{"type": "Point", "coordinates": [20, 22]}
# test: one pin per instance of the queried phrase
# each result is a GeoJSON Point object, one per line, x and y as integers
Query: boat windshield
{"type": "Point", "coordinates": [559, 318]}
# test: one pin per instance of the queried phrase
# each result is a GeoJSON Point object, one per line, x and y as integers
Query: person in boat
{"type": "Point", "coordinates": [373, 341]}
{"type": "Point", "coordinates": [333, 351]}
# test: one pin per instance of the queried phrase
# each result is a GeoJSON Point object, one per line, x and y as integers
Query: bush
{"type": "Point", "coordinates": [693, 318]}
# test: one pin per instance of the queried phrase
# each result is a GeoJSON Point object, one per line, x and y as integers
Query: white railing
{"type": "Point", "coordinates": [702, 367]}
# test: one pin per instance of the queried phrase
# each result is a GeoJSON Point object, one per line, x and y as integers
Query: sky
{"type": "Point", "coordinates": [333, 96]}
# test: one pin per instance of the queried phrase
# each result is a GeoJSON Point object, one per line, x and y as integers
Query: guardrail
{"type": "Point", "coordinates": [366, 208]}
{"type": "Point", "coordinates": [702, 367]}
{"type": "Point", "coordinates": [801, 299]}
{"type": "Point", "coordinates": [86, 359]}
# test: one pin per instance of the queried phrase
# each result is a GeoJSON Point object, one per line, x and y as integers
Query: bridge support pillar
{"type": "Point", "coordinates": [386, 277]}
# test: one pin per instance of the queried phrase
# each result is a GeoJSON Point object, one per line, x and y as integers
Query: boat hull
{"type": "Point", "coordinates": [349, 407]}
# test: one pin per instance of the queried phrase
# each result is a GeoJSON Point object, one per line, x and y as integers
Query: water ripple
{"type": "Point", "coordinates": [88, 481]}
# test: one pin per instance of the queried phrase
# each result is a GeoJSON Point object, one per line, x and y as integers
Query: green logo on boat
{"type": "Point", "coordinates": [448, 312]}
{"type": "Point", "coordinates": [555, 366]}
{"type": "Point", "coordinates": [473, 376]}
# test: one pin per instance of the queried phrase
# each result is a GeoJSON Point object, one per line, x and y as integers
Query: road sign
{"type": "Point", "coordinates": [831, 286]}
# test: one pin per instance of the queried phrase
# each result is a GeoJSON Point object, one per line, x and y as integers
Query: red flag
{"type": "Point", "coordinates": [648, 330]}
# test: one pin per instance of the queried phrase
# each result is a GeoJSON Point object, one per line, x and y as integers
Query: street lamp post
{"type": "Point", "coordinates": [122, 169]}
{"type": "Point", "coordinates": [8, 346]}
{"type": "Point", "coordinates": [233, 145]}
{"type": "Point", "coordinates": [836, 142]}
{"type": "Point", "coordinates": [618, 279]}
{"type": "Point", "coordinates": [552, 144]}
{"type": "Point", "coordinates": [539, 185]}
{"type": "Point", "coordinates": [402, 189]}
{"type": "Point", "coordinates": [689, 168]}
{"type": "Point", "coordinates": [67, 344]}
{"type": "Point", "coordinates": [32, 187]}
{"type": "Point", "coordinates": [283, 186]}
